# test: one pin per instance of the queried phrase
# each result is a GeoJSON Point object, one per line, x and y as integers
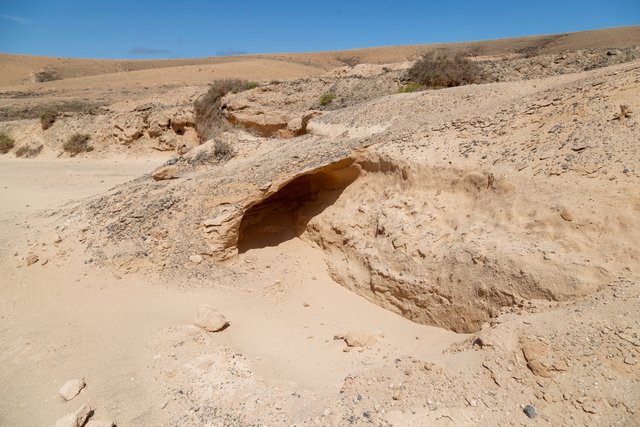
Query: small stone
{"type": "Point", "coordinates": [305, 305]}
{"type": "Point", "coordinates": [71, 388]}
{"type": "Point", "coordinates": [172, 161]}
{"type": "Point", "coordinates": [530, 411]}
{"type": "Point", "coordinates": [555, 129]}
{"type": "Point", "coordinates": [196, 259]}
{"type": "Point", "coordinates": [75, 419]}
{"type": "Point", "coordinates": [166, 172]}
{"type": "Point", "coordinates": [566, 215]}
{"type": "Point", "coordinates": [45, 261]}
{"type": "Point", "coordinates": [32, 259]}
{"type": "Point", "coordinates": [209, 319]}
{"type": "Point", "coordinates": [630, 360]}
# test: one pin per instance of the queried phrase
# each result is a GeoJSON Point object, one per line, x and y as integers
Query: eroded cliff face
{"type": "Point", "coordinates": [446, 206]}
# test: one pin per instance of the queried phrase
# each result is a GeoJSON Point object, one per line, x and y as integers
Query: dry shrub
{"type": "Point", "coordinates": [77, 143]}
{"type": "Point", "coordinates": [46, 75]}
{"type": "Point", "coordinates": [350, 61]}
{"type": "Point", "coordinates": [223, 150]}
{"type": "Point", "coordinates": [436, 71]}
{"type": "Point", "coordinates": [47, 118]}
{"type": "Point", "coordinates": [6, 143]}
{"type": "Point", "coordinates": [28, 152]}
{"type": "Point", "coordinates": [208, 113]}
{"type": "Point", "coordinates": [327, 98]}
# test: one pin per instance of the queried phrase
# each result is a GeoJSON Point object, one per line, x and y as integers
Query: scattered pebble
{"type": "Point", "coordinates": [32, 259]}
{"type": "Point", "coordinates": [530, 411]}
{"type": "Point", "coordinates": [196, 259]}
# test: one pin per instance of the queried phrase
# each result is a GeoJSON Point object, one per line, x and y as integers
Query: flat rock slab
{"type": "Point", "coordinates": [71, 388]}
{"type": "Point", "coordinates": [99, 423]}
{"type": "Point", "coordinates": [75, 419]}
{"type": "Point", "coordinates": [166, 172]}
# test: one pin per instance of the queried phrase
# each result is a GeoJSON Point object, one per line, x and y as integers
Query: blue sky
{"type": "Point", "coordinates": [173, 29]}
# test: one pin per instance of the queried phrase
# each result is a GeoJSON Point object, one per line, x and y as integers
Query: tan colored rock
{"type": "Point", "coordinates": [129, 127]}
{"type": "Point", "coordinates": [71, 388]}
{"type": "Point", "coordinates": [360, 339]}
{"type": "Point", "coordinates": [166, 172]}
{"type": "Point", "coordinates": [209, 319]}
{"type": "Point", "coordinates": [77, 418]}
{"type": "Point", "coordinates": [566, 214]}
{"type": "Point", "coordinates": [196, 259]}
{"type": "Point", "coordinates": [99, 423]}
{"type": "Point", "coordinates": [536, 353]}
{"type": "Point", "coordinates": [32, 259]}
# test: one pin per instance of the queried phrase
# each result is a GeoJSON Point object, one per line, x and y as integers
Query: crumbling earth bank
{"type": "Point", "coordinates": [444, 206]}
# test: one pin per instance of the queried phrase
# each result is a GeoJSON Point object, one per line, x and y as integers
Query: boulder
{"type": "Point", "coordinates": [209, 319]}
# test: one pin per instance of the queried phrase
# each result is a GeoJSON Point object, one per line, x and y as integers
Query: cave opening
{"type": "Point", "coordinates": [285, 214]}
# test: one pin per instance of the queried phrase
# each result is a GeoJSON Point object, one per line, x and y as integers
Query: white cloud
{"type": "Point", "coordinates": [18, 19]}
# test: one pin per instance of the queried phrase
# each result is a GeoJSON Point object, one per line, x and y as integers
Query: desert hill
{"type": "Point", "coordinates": [357, 248]}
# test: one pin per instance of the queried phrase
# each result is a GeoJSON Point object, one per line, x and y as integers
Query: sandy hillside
{"type": "Point", "coordinates": [461, 256]}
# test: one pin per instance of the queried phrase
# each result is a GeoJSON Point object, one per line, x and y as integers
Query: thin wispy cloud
{"type": "Point", "coordinates": [144, 51]}
{"type": "Point", "coordinates": [231, 52]}
{"type": "Point", "coordinates": [18, 19]}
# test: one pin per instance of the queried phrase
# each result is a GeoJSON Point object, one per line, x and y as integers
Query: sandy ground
{"type": "Point", "coordinates": [69, 319]}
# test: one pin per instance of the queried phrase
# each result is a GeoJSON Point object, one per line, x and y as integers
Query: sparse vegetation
{"type": "Point", "coordinates": [223, 150]}
{"type": "Point", "coordinates": [77, 143]}
{"type": "Point", "coordinates": [47, 118]}
{"type": "Point", "coordinates": [6, 143]}
{"type": "Point", "coordinates": [208, 113]}
{"type": "Point", "coordinates": [351, 61]}
{"type": "Point", "coordinates": [28, 152]}
{"type": "Point", "coordinates": [434, 71]}
{"type": "Point", "coordinates": [248, 85]}
{"type": "Point", "coordinates": [410, 87]}
{"type": "Point", "coordinates": [46, 75]}
{"type": "Point", "coordinates": [327, 98]}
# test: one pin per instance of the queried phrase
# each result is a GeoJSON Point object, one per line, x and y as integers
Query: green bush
{"type": "Point", "coordinates": [434, 71]}
{"type": "Point", "coordinates": [410, 87]}
{"type": "Point", "coordinates": [327, 98]}
{"type": "Point", "coordinates": [47, 118]}
{"type": "Point", "coordinates": [77, 143]}
{"type": "Point", "coordinates": [248, 85]}
{"type": "Point", "coordinates": [6, 143]}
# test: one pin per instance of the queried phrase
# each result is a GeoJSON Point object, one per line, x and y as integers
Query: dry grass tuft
{"type": "Point", "coordinates": [47, 118]}
{"type": "Point", "coordinates": [28, 152]}
{"type": "Point", "coordinates": [77, 143]}
{"type": "Point", "coordinates": [6, 143]}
